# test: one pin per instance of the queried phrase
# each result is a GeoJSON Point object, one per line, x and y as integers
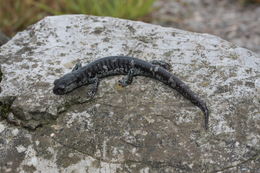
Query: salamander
{"type": "Point", "coordinates": [93, 72]}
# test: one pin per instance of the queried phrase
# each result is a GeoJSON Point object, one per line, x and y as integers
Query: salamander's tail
{"type": "Point", "coordinates": [183, 89]}
{"type": "Point", "coordinates": [187, 93]}
{"type": "Point", "coordinates": [205, 111]}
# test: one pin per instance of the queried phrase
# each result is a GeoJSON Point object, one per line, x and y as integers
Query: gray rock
{"type": "Point", "coordinates": [3, 39]}
{"type": "Point", "coordinates": [145, 127]}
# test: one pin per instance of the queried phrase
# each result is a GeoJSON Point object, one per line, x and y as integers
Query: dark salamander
{"type": "Point", "coordinates": [123, 65]}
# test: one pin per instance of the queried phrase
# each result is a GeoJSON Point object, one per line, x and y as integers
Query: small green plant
{"type": "Point", "coordinates": [129, 9]}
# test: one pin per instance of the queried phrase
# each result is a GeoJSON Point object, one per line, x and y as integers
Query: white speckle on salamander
{"type": "Point", "coordinates": [132, 63]}
{"type": "Point", "coordinates": [172, 82]}
{"type": "Point", "coordinates": [105, 67]}
{"type": "Point", "coordinates": [156, 68]}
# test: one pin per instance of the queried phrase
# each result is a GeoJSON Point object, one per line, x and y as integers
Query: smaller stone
{"type": "Point", "coordinates": [3, 39]}
{"type": "Point", "coordinates": [257, 86]}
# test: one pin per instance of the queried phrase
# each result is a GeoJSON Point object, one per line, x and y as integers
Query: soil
{"type": "Point", "coordinates": [232, 20]}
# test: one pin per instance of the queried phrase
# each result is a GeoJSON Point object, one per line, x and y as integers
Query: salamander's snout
{"type": "Point", "coordinates": [55, 82]}
{"type": "Point", "coordinates": [65, 84]}
{"type": "Point", "coordinates": [59, 89]}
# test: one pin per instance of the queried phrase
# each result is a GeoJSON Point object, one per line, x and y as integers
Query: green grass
{"type": "Point", "coordinates": [15, 15]}
{"type": "Point", "coordinates": [129, 9]}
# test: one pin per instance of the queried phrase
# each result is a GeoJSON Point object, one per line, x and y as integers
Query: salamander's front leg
{"type": "Point", "coordinates": [162, 64]}
{"type": "Point", "coordinates": [95, 83]}
{"type": "Point", "coordinates": [127, 80]}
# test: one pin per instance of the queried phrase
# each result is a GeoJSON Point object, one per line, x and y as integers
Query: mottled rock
{"type": "Point", "coordinates": [144, 127]}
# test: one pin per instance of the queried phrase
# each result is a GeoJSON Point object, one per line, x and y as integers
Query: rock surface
{"type": "Point", "coordinates": [145, 127]}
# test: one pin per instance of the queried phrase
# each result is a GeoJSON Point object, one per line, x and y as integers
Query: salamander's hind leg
{"type": "Point", "coordinates": [77, 66]}
{"type": "Point", "coordinates": [95, 83]}
{"type": "Point", "coordinates": [162, 64]}
{"type": "Point", "coordinates": [127, 80]}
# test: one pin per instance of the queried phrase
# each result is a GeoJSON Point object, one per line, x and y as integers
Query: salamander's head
{"type": "Point", "coordinates": [66, 83]}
